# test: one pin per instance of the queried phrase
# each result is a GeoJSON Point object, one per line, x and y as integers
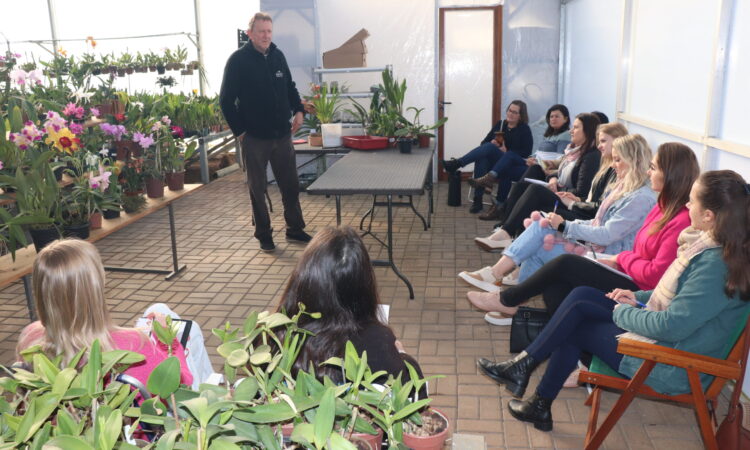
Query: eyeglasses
{"type": "Point", "coordinates": [510, 111]}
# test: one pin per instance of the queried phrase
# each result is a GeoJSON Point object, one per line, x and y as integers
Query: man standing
{"type": "Point", "coordinates": [257, 98]}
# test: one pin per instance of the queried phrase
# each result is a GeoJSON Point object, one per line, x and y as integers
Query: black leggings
{"type": "Point", "coordinates": [558, 277]}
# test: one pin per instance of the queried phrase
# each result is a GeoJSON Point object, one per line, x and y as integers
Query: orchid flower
{"type": "Point", "coordinates": [143, 140]}
{"type": "Point", "coordinates": [104, 152]}
{"type": "Point", "coordinates": [54, 122]}
{"type": "Point", "coordinates": [18, 76]}
{"type": "Point", "coordinates": [76, 128]}
{"type": "Point", "coordinates": [71, 109]}
{"type": "Point", "coordinates": [94, 112]}
{"type": "Point", "coordinates": [81, 94]}
{"type": "Point", "coordinates": [1, 165]}
{"type": "Point", "coordinates": [34, 76]}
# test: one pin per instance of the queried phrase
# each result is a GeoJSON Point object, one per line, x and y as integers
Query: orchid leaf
{"type": "Point", "coordinates": [165, 378]}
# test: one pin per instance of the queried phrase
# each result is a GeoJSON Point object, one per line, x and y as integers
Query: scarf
{"type": "Point", "coordinates": [565, 170]}
{"type": "Point", "coordinates": [691, 242]}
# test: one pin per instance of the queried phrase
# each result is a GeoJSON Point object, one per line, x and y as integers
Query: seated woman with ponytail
{"type": "Point", "coordinates": [702, 298]}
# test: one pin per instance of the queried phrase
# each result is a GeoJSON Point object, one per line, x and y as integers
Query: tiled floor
{"type": "Point", "coordinates": [228, 276]}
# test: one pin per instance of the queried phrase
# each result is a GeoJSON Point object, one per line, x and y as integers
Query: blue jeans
{"type": "Point", "coordinates": [528, 252]}
{"type": "Point", "coordinates": [509, 168]}
{"type": "Point", "coordinates": [583, 323]}
{"type": "Point", "coordinates": [484, 158]}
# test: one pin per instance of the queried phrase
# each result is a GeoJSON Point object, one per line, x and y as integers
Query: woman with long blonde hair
{"type": "Point", "coordinates": [68, 285]}
{"type": "Point", "coordinates": [611, 231]}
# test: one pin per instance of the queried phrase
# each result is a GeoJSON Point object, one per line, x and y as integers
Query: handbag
{"type": "Point", "coordinates": [526, 325]}
{"type": "Point", "coordinates": [731, 434]}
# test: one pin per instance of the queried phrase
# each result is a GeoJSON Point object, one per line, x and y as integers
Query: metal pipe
{"type": "Point", "coordinates": [199, 47]}
{"type": "Point", "coordinates": [52, 25]}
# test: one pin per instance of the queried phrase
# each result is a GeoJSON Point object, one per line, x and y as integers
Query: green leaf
{"type": "Point", "coordinates": [250, 322]}
{"type": "Point", "coordinates": [67, 443]}
{"type": "Point", "coordinates": [411, 408]}
{"type": "Point", "coordinates": [63, 380]}
{"type": "Point", "coordinates": [275, 320]}
{"type": "Point", "coordinates": [338, 442]}
{"type": "Point", "coordinates": [227, 348]}
{"type": "Point", "coordinates": [41, 437]}
{"type": "Point", "coordinates": [267, 413]}
{"type": "Point", "coordinates": [246, 390]}
{"type": "Point", "coordinates": [165, 378]}
{"type": "Point", "coordinates": [324, 418]}
{"type": "Point", "coordinates": [124, 357]}
{"type": "Point", "coordinates": [39, 411]}
{"type": "Point", "coordinates": [238, 357]}
{"type": "Point", "coordinates": [66, 423]}
{"type": "Point", "coordinates": [258, 358]}
{"type": "Point", "coordinates": [222, 444]}
{"type": "Point", "coordinates": [304, 434]}
{"type": "Point", "coordinates": [268, 438]}
{"type": "Point", "coordinates": [92, 369]}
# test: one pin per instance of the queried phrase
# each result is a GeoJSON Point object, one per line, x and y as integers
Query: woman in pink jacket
{"type": "Point", "coordinates": [68, 284]}
{"type": "Point", "coordinates": [672, 173]}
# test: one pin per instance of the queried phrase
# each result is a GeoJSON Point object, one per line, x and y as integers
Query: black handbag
{"type": "Point", "coordinates": [526, 326]}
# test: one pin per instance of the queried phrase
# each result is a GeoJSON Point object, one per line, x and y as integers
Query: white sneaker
{"type": "Point", "coordinates": [496, 318]}
{"type": "Point", "coordinates": [490, 245]}
{"type": "Point", "coordinates": [510, 280]}
{"type": "Point", "coordinates": [482, 278]}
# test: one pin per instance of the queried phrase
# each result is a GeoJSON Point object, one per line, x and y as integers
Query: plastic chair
{"type": "Point", "coordinates": [703, 401]}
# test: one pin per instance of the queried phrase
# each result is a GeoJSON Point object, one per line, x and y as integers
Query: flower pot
{"type": "Point", "coordinates": [331, 134]}
{"type": "Point", "coordinates": [80, 231]}
{"type": "Point", "coordinates": [95, 220]}
{"type": "Point", "coordinates": [404, 145]}
{"type": "Point", "coordinates": [154, 188]}
{"type": "Point", "coordinates": [375, 441]}
{"type": "Point", "coordinates": [43, 236]}
{"type": "Point", "coordinates": [424, 140]}
{"type": "Point", "coordinates": [110, 214]}
{"type": "Point", "coordinates": [431, 442]}
{"type": "Point", "coordinates": [315, 140]}
{"type": "Point", "coordinates": [176, 180]}
{"type": "Point", "coordinates": [125, 149]}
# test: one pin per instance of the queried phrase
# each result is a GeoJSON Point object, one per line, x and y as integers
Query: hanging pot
{"type": "Point", "coordinates": [43, 236]}
{"type": "Point", "coordinates": [110, 214]}
{"type": "Point", "coordinates": [154, 188]}
{"type": "Point", "coordinates": [176, 180]}
{"type": "Point", "coordinates": [95, 220]}
{"type": "Point", "coordinates": [80, 231]}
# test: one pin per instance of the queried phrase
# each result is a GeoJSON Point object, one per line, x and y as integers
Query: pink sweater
{"type": "Point", "coordinates": [653, 253]}
{"type": "Point", "coordinates": [123, 339]}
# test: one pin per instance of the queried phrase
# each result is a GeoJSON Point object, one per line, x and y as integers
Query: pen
{"type": "Point", "coordinates": [554, 211]}
{"type": "Point", "coordinates": [640, 305]}
{"type": "Point", "coordinates": [593, 253]}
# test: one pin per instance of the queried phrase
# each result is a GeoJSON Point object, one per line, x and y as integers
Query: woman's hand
{"type": "Point", "coordinates": [531, 161]}
{"type": "Point", "coordinates": [159, 317]}
{"type": "Point", "coordinates": [555, 220]}
{"type": "Point", "coordinates": [568, 196]}
{"type": "Point", "coordinates": [609, 262]}
{"type": "Point", "coordinates": [399, 346]}
{"type": "Point", "coordinates": [552, 184]}
{"type": "Point", "coordinates": [623, 296]}
{"type": "Point", "coordinates": [497, 144]}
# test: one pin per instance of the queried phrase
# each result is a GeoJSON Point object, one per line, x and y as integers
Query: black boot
{"type": "Point", "coordinates": [451, 165]}
{"type": "Point", "coordinates": [476, 206]}
{"type": "Point", "coordinates": [536, 410]}
{"type": "Point", "coordinates": [514, 373]}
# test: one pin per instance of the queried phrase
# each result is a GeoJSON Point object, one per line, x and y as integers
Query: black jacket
{"type": "Point", "coordinates": [258, 95]}
{"type": "Point", "coordinates": [583, 173]}
{"type": "Point", "coordinates": [588, 209]}
{"type": "Point", "coordinates": [517, 139]}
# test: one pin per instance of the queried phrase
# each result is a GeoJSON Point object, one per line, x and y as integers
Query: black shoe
{"type": "Point", "coordinates": [486, 182]}
{"type": "Point", "coordinates": [451, 165]}
{"type": "Point", "coordinates": [514, 373]}
{"type": "Point", "coordinates": [298, 236]}
{"type": "Point", "coordinates": [266, 245]}
{"type": "Point", "coordinates": [476, 206]}
{"type": "Point", "coordinates": [537, 410]}
{"type": "Point", "coordinates": [494, 213]}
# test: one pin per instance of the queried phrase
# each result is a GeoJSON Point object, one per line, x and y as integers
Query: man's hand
{"type": "Point", "coordinates": [296, 122]}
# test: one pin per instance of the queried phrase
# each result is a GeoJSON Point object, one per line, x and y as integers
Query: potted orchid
{"type": "Point", "coordinates": [176, 153]}
{"type": "Point", "coordinates": [324, 103]}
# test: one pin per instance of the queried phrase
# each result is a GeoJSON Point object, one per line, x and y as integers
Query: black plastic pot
{"type": "Point", "coordinates": [42, 237]}
{"type": "Point", "coordinates": [404, 145]}
{"type": "Point", "coordinates": [80, 231]}
{"type": "Point", "coordinates": [111, 213]}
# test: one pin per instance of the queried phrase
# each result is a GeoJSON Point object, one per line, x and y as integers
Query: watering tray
{"type": "Point", "coordinates": [365, 142]}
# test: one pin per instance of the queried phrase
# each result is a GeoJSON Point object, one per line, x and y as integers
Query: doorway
{"type": "Point", "coordinates": [469, 77]}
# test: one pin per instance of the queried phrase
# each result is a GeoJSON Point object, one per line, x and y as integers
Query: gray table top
{"type": "Point", "coordinates": [309, 149]}
{"type": "Point", "coordinates": [376, 172]}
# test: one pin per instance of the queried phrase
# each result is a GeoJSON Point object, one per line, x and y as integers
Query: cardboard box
{"type": "Point", "coordinates": [351, 53]}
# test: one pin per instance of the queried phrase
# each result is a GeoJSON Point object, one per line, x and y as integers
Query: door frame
{"type": "Point", "coordinates": [497, 69]}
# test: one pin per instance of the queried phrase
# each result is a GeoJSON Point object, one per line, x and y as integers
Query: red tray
{"type": "Point", "coordinates": [365, 142]}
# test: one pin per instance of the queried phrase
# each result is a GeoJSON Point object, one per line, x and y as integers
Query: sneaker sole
{"type": "Point", "coordinates": [483, 285]}
{"type": "Point", "coordinates": [268, 250]}
{"type": "Point", "coordinates": [503, 321]}
{"type": "Point", "coordinates": [487, 248]}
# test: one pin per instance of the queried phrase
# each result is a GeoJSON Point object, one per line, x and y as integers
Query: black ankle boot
{"type": "Point", "coordinates": [514, 373]}
{"type": "Point", "coordinates": [451, 165]}
{"type": "Point", "coordinates": [537, 410]}
{"type": "Point", "coordinates": [476, 206]}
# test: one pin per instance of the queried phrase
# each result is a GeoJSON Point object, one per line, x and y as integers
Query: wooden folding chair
{"type": "Point", "coordinates": [704, 402]}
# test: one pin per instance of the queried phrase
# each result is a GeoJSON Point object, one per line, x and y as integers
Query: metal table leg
{"type": "Point", "coordinates": [29, 297]}
{"type": "Point", "coordinates": [338, 210]}
{"type": "Point", "coordinates": [390, 263]}
{"type": "Point", "coordinates": [176, 268]}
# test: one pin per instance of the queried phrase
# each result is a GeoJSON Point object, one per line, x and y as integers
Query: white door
{"type": "Point", "coordinates": [468, 78]}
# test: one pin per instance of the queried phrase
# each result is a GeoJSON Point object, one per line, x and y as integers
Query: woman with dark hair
{"type": "Point", "coordinates": [504, 149]}
{"type": "Point", "coordinates": [702, 298]}
{"type": "Point", "coordinates": [334, 277]}
{"type": "Point", "coordinates": [555, 137]}
{"type": "Point", "coordinates": [672, 172]}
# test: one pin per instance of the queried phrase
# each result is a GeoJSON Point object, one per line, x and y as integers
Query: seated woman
{"type": "Point", "coordinates": [700, 300]}
{"type": "Point", "coordinates": [68, 286]}
{"type": "Point", "coordinates": [527, 197]}
{"type": "Point", "coordinates": [506, 152]}
{"type": "Point", "coordinates": [556, 136]}
{"type": "Point", "coordinates": [672, 173]}
{"type": "Point", "coordinates": [613, 229]}
{"type": "Point", "coordinates": [334, 277]}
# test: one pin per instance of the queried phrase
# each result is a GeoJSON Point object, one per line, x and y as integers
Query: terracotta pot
{"type": "Point", "coordinates": [126, 149]}
{"type": "Point", "coordinates": [176, 180]}
{"type": "Point", "coordinates": [154, 188]}
{"type": "Point", "coordinates": [434, 442]}
{"type": "Point", "coordinates": [95, 221]}
{"type": "Point", "coordinates": [424, 140]}
{"type": "Point", "coordinates": [315, 139]}
{"type": "Point", "coordinates": [375, 441]}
